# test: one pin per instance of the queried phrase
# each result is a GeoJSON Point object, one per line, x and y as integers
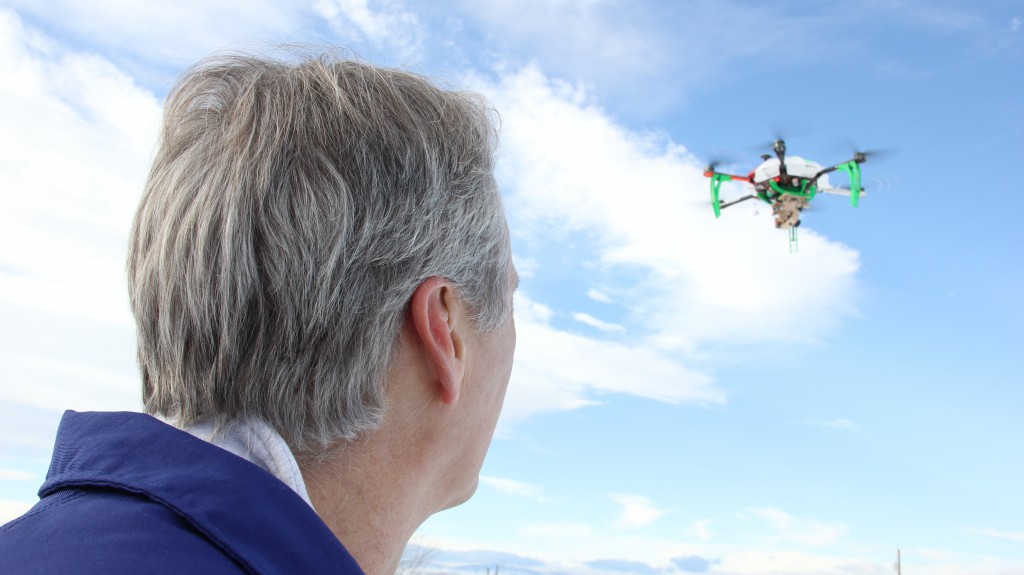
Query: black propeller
{"type": "Point", "coordinates": [780, 134]}
{"type": "Point", "coordinates": [714, 162]}
{"type": "Point", "coordinates": [861, 155]}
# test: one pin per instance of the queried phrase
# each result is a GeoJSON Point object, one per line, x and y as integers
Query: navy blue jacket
{"type": "Point", "coordinates": [126, 493]}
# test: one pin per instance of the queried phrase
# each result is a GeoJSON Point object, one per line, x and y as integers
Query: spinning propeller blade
{"type": "Point", "coordinates": [860, 155]}
{"type": "Point", "coordinates": [780, 134]}
{"type": "Point", "coordinates": [713, 164]}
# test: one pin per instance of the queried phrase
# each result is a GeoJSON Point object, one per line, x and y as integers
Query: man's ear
{"type": "Point", "coordinates": [437, 316]}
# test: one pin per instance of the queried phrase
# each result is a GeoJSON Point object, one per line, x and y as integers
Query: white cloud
{"type": "Point", "coordinates": [785, 527]}
{"type": "Point", "coordinates": [697, 282]}
{"type": "Point", "coordinates": [582, 35]}
{"type": "Point", "coordinates": [556, 370]}
{"type": "Point", "coordinates": [11, 509]}
{"type": "Point", "coordinates": [174, 33]}
{"type": "Point", "coordinates": [568, 546]}
{"type": "Point", "coordinates": [598, 295]}
{"type": "Point", "coordinates": [517, 488]}
{"type": "Point", "coordinates": [525, 267]}
{"type": "Point", "coordinates": [385, 24]}
{"type": "Point", "coordinates": [50, 383]}
{"type": "Point", "coordinates": [595, 323]}
{"type": "Point", "coordinates": [1017, 536]}
{"type": "Point", "coordinates": [776, 518]}
{"type": "Point", "coordinates": [637, 511]}
{"type": "Point", "coordinates": [78, 137]}
{"type": "Point", "coordinates": [655, 52]}
{"type": "Point", "coordinates": [778, 561]}
{"type": "Point", "coordinates": [529, 312]}
{"type": "Point", "coordinates": [838, 423]}
{"type": "Point", "coordinates": [1016, 23]}
{"type": "Point", "coordinates": [15, 475]}
{"type": "Point", "coordinates": [702, 529]}
{"type": "Point", "coordinates": [945, 17]}
{"type": "Point", "coordinates": [572, 547]}
{"type": "Point", "coordinates": [558, 531]}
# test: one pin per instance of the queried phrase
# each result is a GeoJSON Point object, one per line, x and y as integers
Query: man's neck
{"type": "Point", "coordinates": [371, 500]}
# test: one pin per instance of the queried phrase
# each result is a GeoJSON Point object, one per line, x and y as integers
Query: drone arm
{"type": "Point", "coordinates": [852, 168]}
{"type": "Point", "coordinates": [827, 170]}
{"type": "Point", "coordinates": [743, 199]}
{"type": "Point", "coordinates": [716, 184]}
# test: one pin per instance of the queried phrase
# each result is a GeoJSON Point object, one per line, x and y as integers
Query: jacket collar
{"type": "Point", "coordinates": [248, 513]}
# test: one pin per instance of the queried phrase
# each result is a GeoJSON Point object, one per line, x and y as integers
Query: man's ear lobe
{"type": "Point", "coordinates": [437, 317]}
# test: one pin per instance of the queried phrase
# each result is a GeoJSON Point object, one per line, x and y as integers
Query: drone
{"type": "Point", "coordinates": [789, 184]}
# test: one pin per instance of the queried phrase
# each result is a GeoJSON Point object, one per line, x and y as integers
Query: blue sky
{"type": "Point", "coordinates": [688, 396]}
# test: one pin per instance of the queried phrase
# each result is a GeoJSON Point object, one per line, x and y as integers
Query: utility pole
{"type": "Point", "coordinates": [899, 566]}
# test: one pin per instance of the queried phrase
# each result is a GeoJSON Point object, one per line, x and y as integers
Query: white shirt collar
{"type": "Point", "coordinates": [256, 441]}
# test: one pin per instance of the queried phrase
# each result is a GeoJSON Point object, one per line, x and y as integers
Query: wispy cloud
{"type": "Point", "coordinates": [15, 475]}
{"type": "Point", "coordinates": [470, 560]}
{"type": "Point", "coordinates": [637, 511]}
{"type": "Point", "coordinates": [517, 488]}
{"type": "Point", "coordinates": [47, 382]}
{"type": "Point", "coordinates": [558, 531]}
{"type": "Point", "coordinates": [623, 566]}
{"type": "Point", "coordinates": [595, 323]}
{"type": "Point", "coordinates": [1017, 536]}
{"type": "Point", "coordinates": [631, 554]}
{"type": "Point", "coordinates": [786, 527]}
{"type": "Point", "coordinates": [695, 563]}
{"type": "Point", "coordinates": [656, 52]}
{"type": "Point", "coordinates": [526, 267]}
{"type": "Point", "coordinates": [10, 509]}
{"type": "Point", "coordinates": [79, 133]}
{"type": "Point", "coordinates": [384, 23]}
{"type": "Point", "coordinates": [556, 370]}
{"type": "Point", "coordinates": [838, 423]}
{"type": "Point", "coordinates": [581, 35]}
{"type": "Point", "coordinates": [702, 529]}
{"type": "Point", "coordinates": [152, 32]}
{"type": "Point", "coordinates": [78, 136]}
{"type": "Point", "coordinates": [779, 560]}
{"type": "Point", "coordinates": [598, 295]}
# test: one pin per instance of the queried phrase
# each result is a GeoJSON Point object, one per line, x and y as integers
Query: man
{"type": "Point", "coordinates": [321, 277]}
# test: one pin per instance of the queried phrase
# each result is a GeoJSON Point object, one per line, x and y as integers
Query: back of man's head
{"type": "Point", "coordinates": [292, 209]}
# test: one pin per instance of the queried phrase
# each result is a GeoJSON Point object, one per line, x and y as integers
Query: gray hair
{"type": "Point", "coordinates": [291, 211]}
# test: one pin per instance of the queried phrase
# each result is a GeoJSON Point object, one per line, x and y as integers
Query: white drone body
{"type": "Point", "coordinates": [800, 167]}
{"type": "Point", "coordinates": [795, 166]}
